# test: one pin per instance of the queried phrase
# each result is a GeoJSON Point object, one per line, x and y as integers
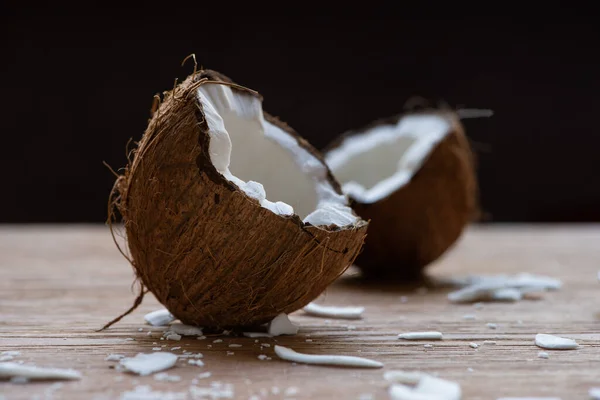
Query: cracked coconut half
{"type": "Point", "coordinates": [231, 218]}
{"type": "Point", "coordinates": [413, 177]}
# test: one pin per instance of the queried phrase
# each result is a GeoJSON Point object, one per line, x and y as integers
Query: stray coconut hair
{"type": "Point", "coordinates": [201, 233]}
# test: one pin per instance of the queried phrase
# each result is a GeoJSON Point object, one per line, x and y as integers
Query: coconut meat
{"type": "Point", "coordinates": [373, 164]}
{"type": "Point", "coordinates": [260, 158]}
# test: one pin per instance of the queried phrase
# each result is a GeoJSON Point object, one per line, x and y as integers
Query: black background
{"type": "Point", "coordinates": [75, 88]}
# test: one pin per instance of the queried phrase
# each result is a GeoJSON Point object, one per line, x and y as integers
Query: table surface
{"type": "Point", "coordinates": [60, 283]}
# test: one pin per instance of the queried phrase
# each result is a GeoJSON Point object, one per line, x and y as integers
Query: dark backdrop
{"type": "Point", "coordinates": [76, 88]}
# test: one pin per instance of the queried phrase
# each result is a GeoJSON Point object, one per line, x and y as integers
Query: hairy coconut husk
{"type": "Point", "coordinates": [209, 253]}
{"type": "Point", "coordinates": [416, 224]}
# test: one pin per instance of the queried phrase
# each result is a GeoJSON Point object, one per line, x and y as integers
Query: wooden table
{"type": "Point", "coordinates": [59, 284]}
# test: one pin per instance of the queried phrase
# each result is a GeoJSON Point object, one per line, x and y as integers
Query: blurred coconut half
{"type": "Point", "coordinates": [413, 177]}
{"type": "Point", "coordinates": [230, 217]}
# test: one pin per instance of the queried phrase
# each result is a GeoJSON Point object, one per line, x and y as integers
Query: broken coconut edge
{"type": "Point", "coordinates": [419, 211]}
{"type": "Point", "coordinates": [193, 234]}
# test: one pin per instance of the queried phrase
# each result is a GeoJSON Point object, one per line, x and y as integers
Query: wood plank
{"type": "Point", "coordinates": [59, 284]}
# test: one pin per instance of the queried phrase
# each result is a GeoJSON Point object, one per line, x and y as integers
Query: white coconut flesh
{"type": "Point", "coordinates": [263, 160]}
{"type": "Point", "coordinates": [374, 164]}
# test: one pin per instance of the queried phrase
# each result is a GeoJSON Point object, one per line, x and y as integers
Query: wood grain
{"type": "Point", "coordinates": [59, 284]}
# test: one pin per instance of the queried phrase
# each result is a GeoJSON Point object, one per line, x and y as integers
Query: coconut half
{"type": "Point", "coordinates": [413, 177]}
{"type": "Point", "coordinates": [230, 217]}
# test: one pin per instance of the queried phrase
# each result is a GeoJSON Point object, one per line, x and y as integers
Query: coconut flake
{"type": "Point", "coordinates": [185, 330]}
{"type": "Point", "coordinates": [334, 311]}
{"type": "Point", "coordinates": [165, 377]}
{"type": "Point", "coordinates": [172, 336]}
{"type": "Point", "coordinates": [404, 377]}
{"type": "Point", "coordinates": [281, 325]}
{"type": "Point", "coordinates": [149, 363]}
{"type": "Point", "coordinates": [114, 357]}
{"type": "Point", "coordinates": [421, 336]}
{"type": "Point", "coordinates": [146, 393]}
{"type": "Point", "coordinates": [543, 354]}
{"type": "Point", "coordinates": [12, 370]}
{"type": "Point", "coordinates": [594, 393]}
{"type": "Point", "coordinates": [347, 361]}
{"type": "Point", "coordinates": [501, 287]}
{"type": "Point", "coordinates": [552, 342]}
{"type": "Point", "coordinates": [257, 334]}
{"type": "Point", "coordinates": [159, 317]}
{"type": "Point", "coordinates": [217, 390]}
{"type": "Point", "coordinates": [420, 386]}
{"type": "Point", "coordinates": [436, 387]}
{"type": "Point", "coordinates": [506, 294]}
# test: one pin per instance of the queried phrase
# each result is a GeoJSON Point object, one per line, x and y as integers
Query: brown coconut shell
{"type": "Point", "coordinates": [415, 225]}
{"type": "Point", "coordinates": [208, 252]}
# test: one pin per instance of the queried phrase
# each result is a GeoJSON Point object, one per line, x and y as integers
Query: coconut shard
{"type": "Point", "coordinates": [413, 177]}
{"type": "Point", "coordinates": [230, 217]}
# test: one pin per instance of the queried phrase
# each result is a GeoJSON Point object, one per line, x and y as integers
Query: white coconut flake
{"type": "Point", "coordinates": [281, 325]}
{"type": "Point", "coordinates": [149, 363]}
{"type": "Point", "coordinates": [506, 294]}
{"type": "Point", "coordinates": [114, 357]}
{"type": "Point", "coordinates": [173, 336]}
{"type": "Point", "coordinates": [347, 361]}
{"type": "Point", "coordinates": [185, 330]}
{"type": "Point", "coordinates": [218, 341]}
{"type": "Point", "coordinates": [291, 391]}
{"type": "Point", "coordinates": [146, 393]}
{"type": "Point", "coordinates": [11, 353]}
{"type": "Point", "coordinates": [491, 325]}
{"type": "Point", "coordinates": [436, 387]}
{"type": "Point", "coordinates": [6, 358]}
{"type": "Point", "coordinates": [257, 334]}
{"type": "Point", "coordinates": [204, 375]}
{"type": "Point", "coordinates": [543, 354]}
{"type": "Point", "coordinates": [31, 372]}
{"type": "Point", "coordinates": [404, 377]}
{"type": "Point", "coordinates": [501, 287]}
{"type": "Point", "coordinates": [552, 342]}
{"type": "Point", "coordinates": [473, 345]}
{"type": "Point", "coordinates": [198, 363]}
{"type": "Point", "coordinates": [262, 357]}
{"type": "Point", "coordinates": [420, 386]}
{"type": "Point", "coordinates": [159, 317]}
{"type": "Point", "coordinates": [165, 377]}
{"type": "Point", "coordinates": [217, 390]}
{"type": "Point", "coordinates": [432, 335]}
{"type": "Point", "coordinates": [334, 311]}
